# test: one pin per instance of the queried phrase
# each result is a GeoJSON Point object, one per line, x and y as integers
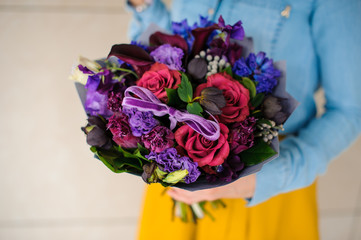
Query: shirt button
{"type": "Point", "coordinates": [211, 11]}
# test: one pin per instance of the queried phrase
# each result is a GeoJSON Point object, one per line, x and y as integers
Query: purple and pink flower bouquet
{"type": "Point", "coordinates": [193, 109]}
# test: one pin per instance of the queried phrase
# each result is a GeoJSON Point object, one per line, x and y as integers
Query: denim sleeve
{"type": "Point", "coordinates": [156, 13]}
{"type": "Point", "coordinates": [336, 33]}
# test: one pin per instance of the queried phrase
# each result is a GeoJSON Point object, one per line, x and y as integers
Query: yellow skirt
{"type": "Point", "coordinates": [289, 216]}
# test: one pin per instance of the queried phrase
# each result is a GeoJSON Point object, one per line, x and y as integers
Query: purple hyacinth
{"type": "Point", "coordinates": [139, 45]}
{"type": "Point", "coordinates": [241, 135]}
{"type": "Point", "coordinates": [140, 122]}
{"type": "Point", "coordinates": [170, 161]}
{"type": "Point", "coordinates": [168, 55]}
{"type": "Point", "coordinates": [159, 139]}
{"type": "Point", "coordinates": [260, 68]}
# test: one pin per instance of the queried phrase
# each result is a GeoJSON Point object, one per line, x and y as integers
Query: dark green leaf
{"type": "Point", "coordinates": [173, 98]}
{"type": "Point", "coordinates": [195, 108]}
{"type": "Point", "coordinates": [228, 70]}
{"type": "Point", "coordinates": [257, 100]}
{"type": "Point", "coordinates": [138, 154]}
{"type": "Point", "coordinates": [249, 84]}
{"type": "Point", "coordinates": [266, 121]}
{"type": "Point", "coordinates": [185, 90]}
{"type": "Point", "coordinates": [258, 153]}
{"type": "Point", "coordinates": [236, 77]}
{"type": "Point", "coordinates": [118, 160]}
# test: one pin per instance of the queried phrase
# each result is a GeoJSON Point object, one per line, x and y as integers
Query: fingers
{"type": "Point", "coordinates": [191, 197]}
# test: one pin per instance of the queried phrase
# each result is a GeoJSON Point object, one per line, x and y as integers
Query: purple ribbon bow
{"type": "Point", "coordinates": [147, 101]}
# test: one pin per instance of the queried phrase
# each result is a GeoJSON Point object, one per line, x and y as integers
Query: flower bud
{"type": "Point", "coordinates": [212, 100]}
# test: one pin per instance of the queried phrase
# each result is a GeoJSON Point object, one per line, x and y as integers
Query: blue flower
{"type": "Point", "coordinates": [139, 45]}
{"type": "Point", "coordinates": [260, 69]}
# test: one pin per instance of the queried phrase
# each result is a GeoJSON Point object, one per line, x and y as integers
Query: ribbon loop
{"type": "Point", "coordinates": [147, 101]}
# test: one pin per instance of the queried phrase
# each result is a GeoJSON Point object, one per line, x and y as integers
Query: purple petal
{"type": "Point", "coordinates": [237, 31]}
{"type": "Point", "coordinates": [221, 22]}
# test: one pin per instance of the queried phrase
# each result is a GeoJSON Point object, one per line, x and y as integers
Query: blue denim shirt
{"type": "Point", "coordinates": [321, 43]}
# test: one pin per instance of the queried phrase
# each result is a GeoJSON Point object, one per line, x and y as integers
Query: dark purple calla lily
{"type": "Point", "coordinates": [159, 38]}
{"type": "Point", "coordinates": [133, 55]}
{"type": "Point", "coordinates": [200, 38]}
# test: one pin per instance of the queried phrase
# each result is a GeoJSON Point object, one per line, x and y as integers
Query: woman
{"type": "Point", "coordinates": [320, 41]}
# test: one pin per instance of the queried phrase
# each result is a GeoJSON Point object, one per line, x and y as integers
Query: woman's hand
{"type": "Point", "coordinates": [242, 188]}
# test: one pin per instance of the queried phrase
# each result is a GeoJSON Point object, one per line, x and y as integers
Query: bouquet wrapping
{"type": "Point", "coordinates": [194, 108]}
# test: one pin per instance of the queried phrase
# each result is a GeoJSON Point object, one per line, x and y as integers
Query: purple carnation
{"type": "Point", "coordinates": [140, 122]}
{"type": "Point", "coordinates": [159, 139]}
{"type": "Point", "coordinates": [241, 135]}
{"type": "Point", "coordinates": [170, 161]}
{"type": "Point", "coordinates": [168, 55]}
{"type": "Point", "coordinates": [260, 68]}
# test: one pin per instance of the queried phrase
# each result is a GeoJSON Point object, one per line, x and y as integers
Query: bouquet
{"type": "Point", "coordinates": [194, 108]}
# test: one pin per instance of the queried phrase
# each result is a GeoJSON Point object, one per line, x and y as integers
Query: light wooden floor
{"type": "Point", "coordinates": [50, 186]}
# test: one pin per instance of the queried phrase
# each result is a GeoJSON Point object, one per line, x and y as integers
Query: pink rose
{"type": "Point", "coordinates": [158, 78]}
{"type": "Point", "coordinates": [237, 97]}
{"type": "Point", "coordinates": [202, 150]}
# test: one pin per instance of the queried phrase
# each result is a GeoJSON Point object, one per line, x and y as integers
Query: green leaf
{"type": "Point", "coordinates": [173, 98]}
{"type": "Point", "coordinates": [249, 84]}
{"type": "Point", "coordinates": [138, 154]}
{"type": "Point", "coordinates": [185, 90]}
{"type": "Point", "coordinates": [258, 153]}
{"type": "Point", "coordinates": [183, 211]}
{"type": "Point", "coordinates": [257, 100]}
{"type": "Point", "coordinates": [195, 108]}
{"type": "Point", "coordinates": [142, 149]}
{"type": "Point", "coordinates": [118, 160]}
{"type": "Point", "coordinates": [228, 70]}
{"type": "Point", "coordinates": [176, 176]}
{"type": "Point", "coordinates": [126, 70]}
{"type": "Point", "coordinates": [266, 121]}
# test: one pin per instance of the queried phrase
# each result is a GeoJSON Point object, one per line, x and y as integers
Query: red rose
{"type": "Point", "coordinates": [202, 150]}
{"type": "Point", "coordinates": [237, 97]}
{"type": "Point", "coordinates": [158, 78]}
